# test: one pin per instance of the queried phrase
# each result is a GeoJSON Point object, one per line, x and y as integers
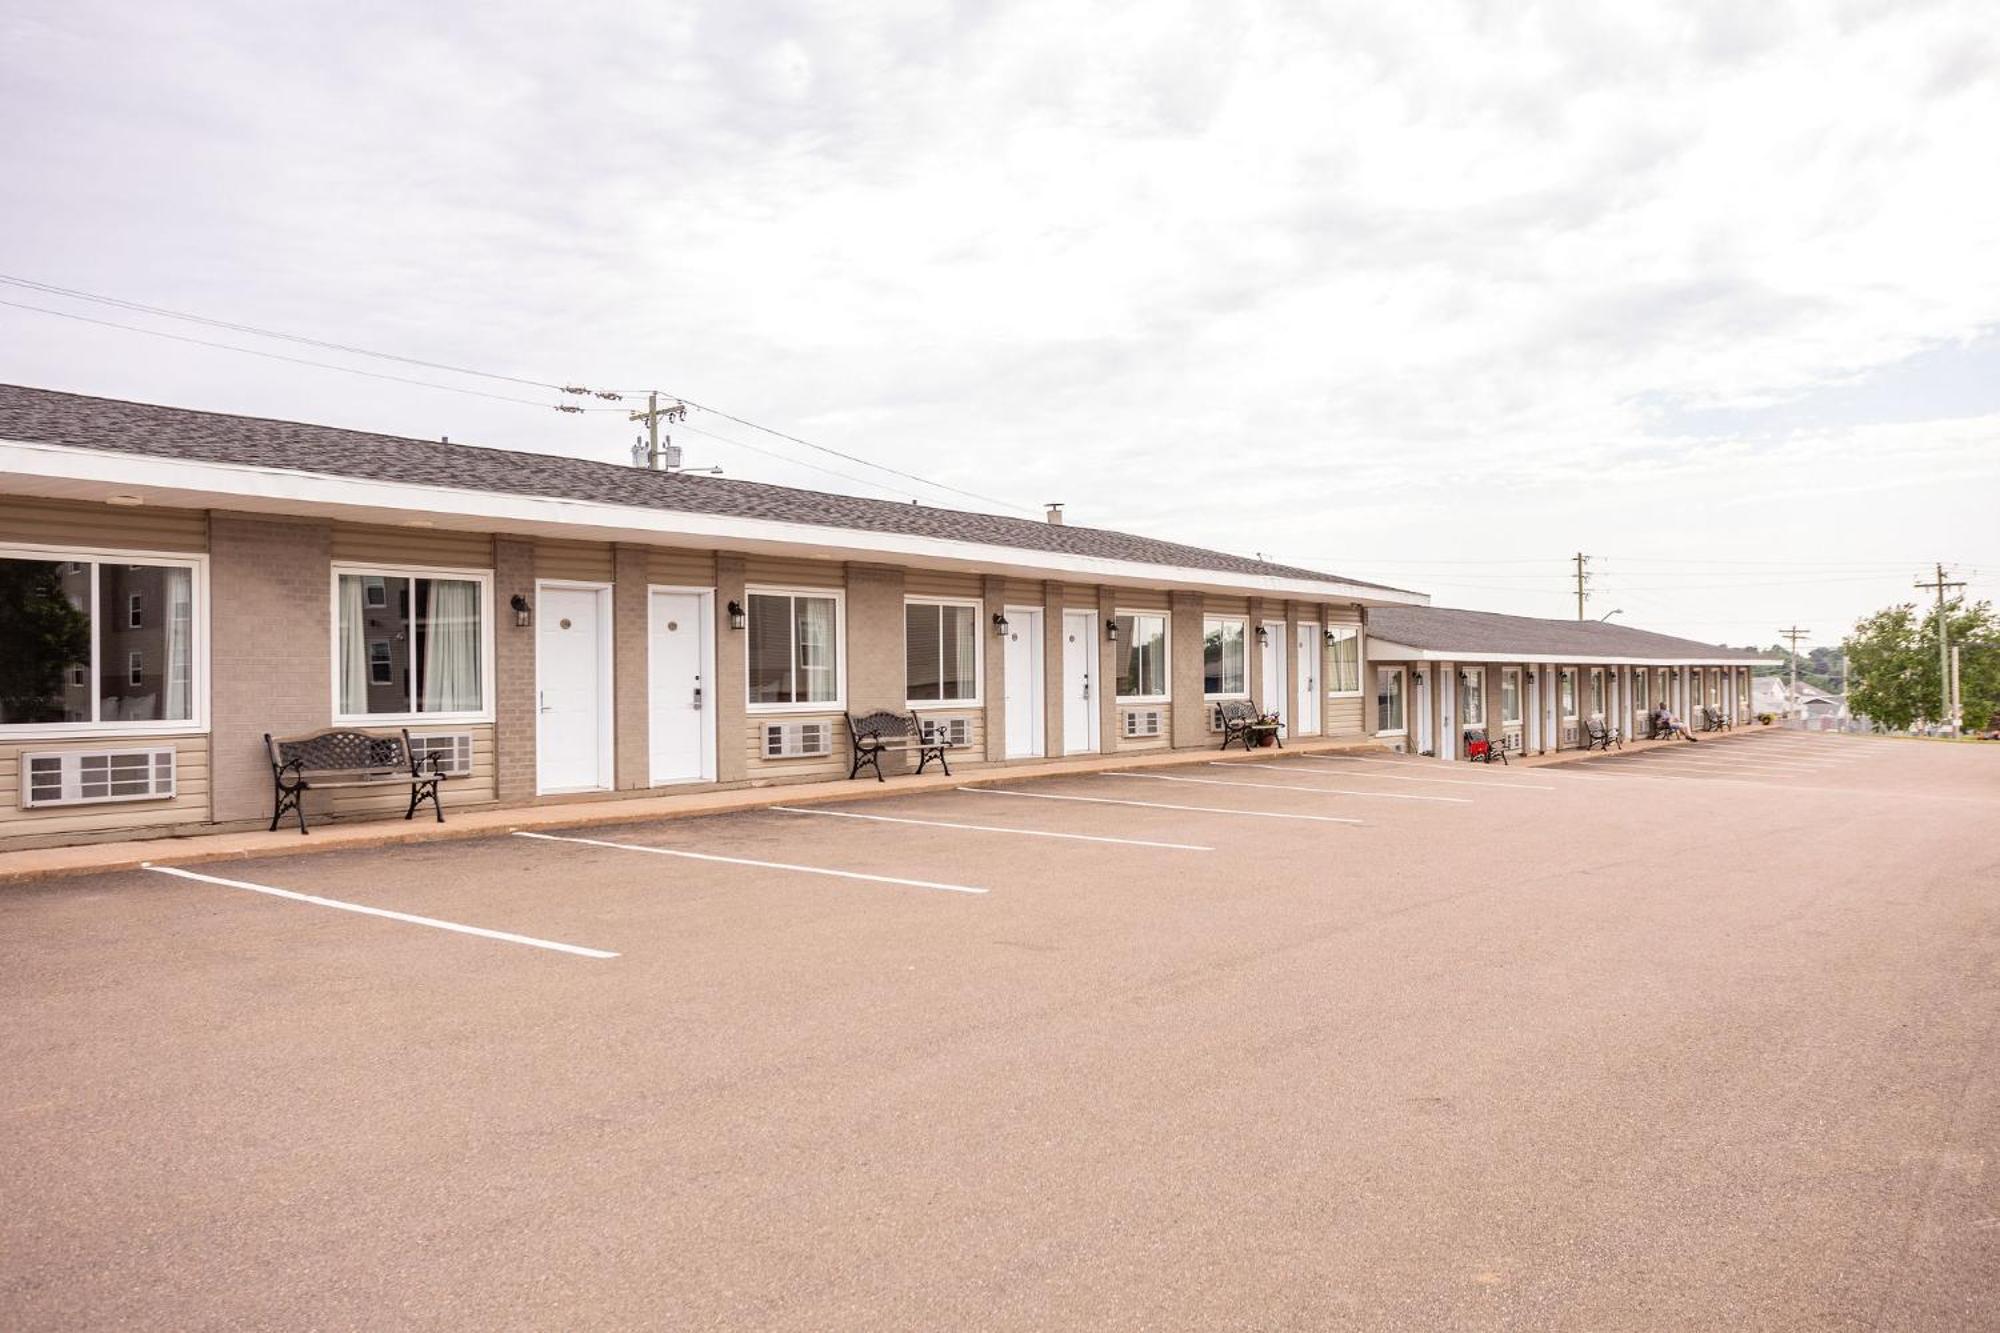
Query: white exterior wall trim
{"type": "Point", "coordinates": [204, 485]}
{"type": "Point", "coordinates": [1381, 650]}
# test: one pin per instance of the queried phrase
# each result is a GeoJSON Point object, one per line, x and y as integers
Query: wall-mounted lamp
{"type": "Point", "coordinates": [737, 618]}
{"type": "Point", "coordinates": [1263, 636]}
{"type": "Point", "coordinates": [521, 610]}
{"type": "Point", "coordinates": [1111, 630]}
{"type": "Point", "coordinates": [999, 626]}
{"type": "Point", "coordinates": [1329, 637]}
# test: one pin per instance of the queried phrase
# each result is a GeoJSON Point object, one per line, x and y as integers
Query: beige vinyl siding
{"type": "Point", "coordinates": [1138, 599]}
{"type": "Point", "coordinates": [361, 544]}
{"type": "Point", "coordinates": [77, 823]}
{"type": "Point", "coordinates": [769, 572]}
{"type": "Point", "coordinates": [477, 789]}
{"type": "Point", "coordinates": [79, 524]}
{"type": "Point", "coordinates": [936, 583]}
{"type": "Point", "coordinates": [678, 568]}
{"type": "Point", "coordinates": [576, 562]}
{"type": "Point", "coordinates": [1237, 607]}
{"type": "Point", "coordinates": [763, 770]}
{"type": "Point", "coordinates": [1021, 592]}
{"type": "Point", "coordinates": [974, 748]}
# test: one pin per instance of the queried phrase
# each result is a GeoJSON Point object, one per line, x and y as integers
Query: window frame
{"type": "Point", "coordinates": [1566, 684]}
{"type": "Point", "coordinates": [1511, 674]}
{"type": "Point", "coordinates": [1600, 697]}
{"type": "Point", "coordinates": [1327, 659]}
{"type": "Point", "coordinates": [488, 686]}
{"type": "Point", "coordinates": [977, 606]}
{"type": "Point", "coordinates": [1207, 622]}
{"type": "Point", "coordinates": [1166, 619]}
{"type": "Point", "coordinates": [1402, 700]}
{"type": "Point", "coordinates": [196, 562]}
{"type": "Point", "coordinates": [1471, 686]}
{"type": "Point", "coordinates": [837, 704]}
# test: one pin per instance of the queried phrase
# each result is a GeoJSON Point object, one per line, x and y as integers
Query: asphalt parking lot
{"type": "Point", "coordinates": [1690, 1037]}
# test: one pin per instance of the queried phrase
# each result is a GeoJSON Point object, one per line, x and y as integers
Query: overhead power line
{"type": "Point", "coordinates": [275, 356]}
{"type": "Point", "coordinates": [164, 312]}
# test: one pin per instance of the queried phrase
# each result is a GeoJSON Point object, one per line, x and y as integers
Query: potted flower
{"type": "Point", "coordinates": [1266, 727]}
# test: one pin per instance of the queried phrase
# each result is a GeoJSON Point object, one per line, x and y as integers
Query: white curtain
{"type": "Point", "coordinates": [964, 651]}
{"type": "Point", "coordinates": [451, 647]}
{"type": "Point", "coordinates": [180, 644]}
{"type": "Point", "coordinates": [353, 647]}
{"type": "Point", "coordinates": [816, 665]}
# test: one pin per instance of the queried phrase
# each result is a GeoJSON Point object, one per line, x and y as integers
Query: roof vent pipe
{"type": "Point", "coordinates": [1055, 514]}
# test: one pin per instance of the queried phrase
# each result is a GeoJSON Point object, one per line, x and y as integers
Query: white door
{"type": "Point", "coordinates": [573, 694]}
{"type": "Point", "coordinates": [1022, 670]}
{"type": "Point", "coordinates": [1421, 701]}
{"type": "Point", "coordinates": [1272, 650]}
{"type": "Point", "coordinates": [1310, 656]}
{"type": "Point", "coordinates": [1079, 682]}
{"type": "Point", "coordinates": [680, 712]}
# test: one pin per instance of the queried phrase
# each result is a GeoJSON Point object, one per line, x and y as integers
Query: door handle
{"type": "Point", "coordinates": [697, 699]}
{"type": "Point", "coordinates": [542, 701]}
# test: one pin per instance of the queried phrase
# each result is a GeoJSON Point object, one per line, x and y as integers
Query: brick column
{"type": "Point", "coordinates": [1108, 658]}
{"type": "Point", "coordinates": [732, 716]}
{"type": "Point", "coordinates": [514, 671]}
{"type": "Point", "coordinates": [1190, 715]}
{"type": "Point", "coordinates": [1052, 668]}
{"type": "Point", "coordinates": [631, 722]}
{"type": "Point", "coordinates": [993, 689]}
{"type": "Point", "coordinates": [271, 663]}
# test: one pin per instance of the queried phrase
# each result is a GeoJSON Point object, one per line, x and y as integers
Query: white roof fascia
{"type": "Point", "coordinates": [1381, 650]}
{"type": "Point", "coordinates": [204, 484]}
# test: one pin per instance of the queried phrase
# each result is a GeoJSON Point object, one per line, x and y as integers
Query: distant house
{"type": "Point", "coordinates": [1772, 694]}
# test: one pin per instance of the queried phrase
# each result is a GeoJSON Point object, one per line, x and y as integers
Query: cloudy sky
{"type": "Point", "coordinates": [1432, 294]}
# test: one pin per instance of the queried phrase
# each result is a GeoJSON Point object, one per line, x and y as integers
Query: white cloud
{"type": "Point", "coordinates": [1383, 283]}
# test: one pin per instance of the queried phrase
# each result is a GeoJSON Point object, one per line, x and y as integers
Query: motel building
{"type": "Point", "coordinates": [175, 585]}
{"type": "Point", "coordinates": [1531, 686]}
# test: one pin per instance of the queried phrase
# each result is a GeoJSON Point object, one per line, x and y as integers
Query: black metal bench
{"type": "Point", "coordinates": [1243, 723]}
{"type": "Point", "coordinates": [1713, 720]}
{"type": "Point", "coordinates": [1480, 749]}
{"type": "Point", "coordinates": [344, 758]}
{"type": "Point", "coordinates": [879, 732]}
{"type": "Point", "coordinates": [1598, 735]}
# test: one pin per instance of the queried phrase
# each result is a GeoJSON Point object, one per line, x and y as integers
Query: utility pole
{"type": "Point", "coordinates": [1794, 634]}
{"type": "Point", "coordinates": [1582, 578]}
{"type": "Point", "coordinates": [1945, 691]}
{"type": "Point", "coordinates": [655, 459]}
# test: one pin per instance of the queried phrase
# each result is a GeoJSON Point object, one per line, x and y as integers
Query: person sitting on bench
{"type": "Point", "coordinates": [1666, 726]}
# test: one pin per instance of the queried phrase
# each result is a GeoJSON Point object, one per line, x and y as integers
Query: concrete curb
{"type": "Point", "coordinates": [108, 857]}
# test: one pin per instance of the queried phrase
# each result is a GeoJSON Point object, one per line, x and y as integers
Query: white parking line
{"type": "Point", "coordinates": [741, 861]}
{"type": "Point", "coordinates": [433, 922]}
{"type": "Point", "coordinates": [1496, 782]}
{"type": "Point", "coordinates": [989, 828]}
{"type": "Point", "coordinates": [1280, 786]}
{"type": "Point", "coordinates": [1157, 805]}
{"type": "Point", "coordinates": [1563, 771]}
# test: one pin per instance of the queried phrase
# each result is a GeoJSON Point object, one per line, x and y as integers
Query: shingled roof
{"type": "Point", "coordinates": [44, 416]}
{"type": "Point", "coordinates": [1443, 629]}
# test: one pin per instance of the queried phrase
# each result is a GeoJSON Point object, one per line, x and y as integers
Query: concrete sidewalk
{"type": "Point", "coordinates": [483, 821]}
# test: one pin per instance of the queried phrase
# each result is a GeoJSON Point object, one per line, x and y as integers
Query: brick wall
{"type": "Point", "coordinates": [271, 643]}
{"type": "Point", "coordinates": [1189, 722]}
{"type": "Point", "coordinates": [631, 722]}
{"type": "Point", "coordinates": [514, 671]}
{"type": "Point", "coordinates": [732, 716]}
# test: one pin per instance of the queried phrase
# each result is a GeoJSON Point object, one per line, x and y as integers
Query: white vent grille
{"type": "Point", "coordinates": [1511, 740]}
{"type": "Point", "coordinates": [1570, 733]}
{"type": "Point", "coordinates": [96, 777]}
{"type": "Point", "coordinates": [1142, 722]}
{"type": "Point", "coordinates": [453, 750]}
{"type": "Point", "coordinates": [954, 731]}
{"type": "Point", "coordinates": [796, 740]}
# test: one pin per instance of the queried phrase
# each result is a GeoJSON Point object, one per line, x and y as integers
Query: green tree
{"type": "Point", "coordinates": [1895, 674]}
{"type": "Point", "coordinates": [41, 636]}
